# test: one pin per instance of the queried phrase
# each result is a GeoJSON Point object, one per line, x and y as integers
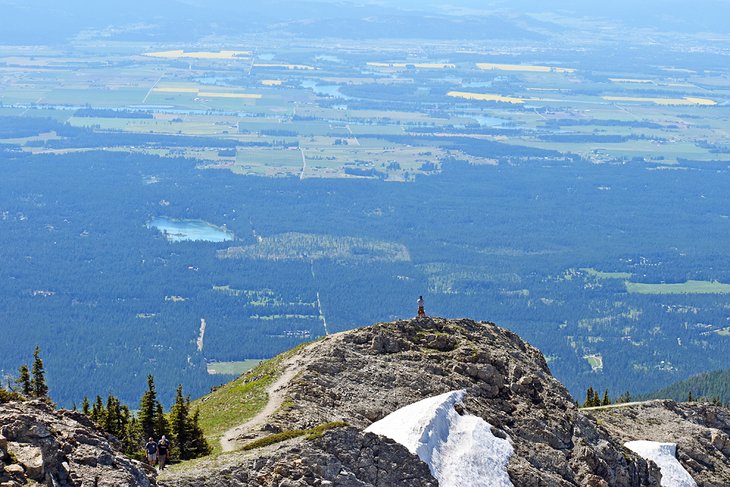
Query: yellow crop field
{"type": "Point", "coordinates": [285, 66]}
{"type": "Point", "coordinates": [179, 53]}
{"type": "Point", "coordinates": [416, 65]}
{"type": "Point", "coordinates": [630, 80]}
{"type": "Point", "coordinates": [219, 94]}
{"type": "Point", "coordinates": [687, 100]}
{"type": "Point", "coordinates": [523, 67]}
{"type": "Point", "coordinates": [485, 97]}
{"type": "Point", "coordinates": [271, 82]}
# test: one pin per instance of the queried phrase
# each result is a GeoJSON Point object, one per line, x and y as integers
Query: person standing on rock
{"type": "Point", "coordinates": [163, 450]}
{"type": "Point", "coordinates": [151, 449]}
{"type": "Point", "coordinates": [421, 309]}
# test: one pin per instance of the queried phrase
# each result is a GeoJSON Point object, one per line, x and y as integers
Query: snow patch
{"type": "Point", "coordinates": [665, 456]}
{"type": "Point", "coordinates": [459, 450]}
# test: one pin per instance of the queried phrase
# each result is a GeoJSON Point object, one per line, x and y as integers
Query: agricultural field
{"type": "Point", "coordinates": [323, 106]}
{"type": "Point", "coordinates": [689, 287]}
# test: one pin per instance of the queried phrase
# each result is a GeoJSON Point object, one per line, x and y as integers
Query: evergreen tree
{"type": "Point", "coordinates": [689, 397]}
{"type": "Point", "coordinates": [147, 409]}
{"type": "Point", "coordinates": [38, 381]}
{"type": "Point", "coordinates": [112, 421]}
{"type": "Point", "coordinates": [198, 445]}
{"type": "Point", "coordinates": [132, 440]}
{"type": "Point", "coordinates": [624, 398]}
{"type": "Point", "coordinates": [161, 425]}
{"type": "Point", "coordinates": [179, 427]}
{"type": "Point", "coordinates": [97, 411]}
{"type": "Point", "coordinates": [23, 381]}
{"type": "Point", "coordinates": [606, 401]}
{"type": "Point", "coordinates": [589, 398]}
{"type": "Point", "coordinates": [86, 407]}
{"type": "Point", "coordinates": [596, 400]}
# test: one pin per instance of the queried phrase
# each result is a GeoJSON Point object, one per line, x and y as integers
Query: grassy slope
{"type": "Point", "coordinates": [239, 400]}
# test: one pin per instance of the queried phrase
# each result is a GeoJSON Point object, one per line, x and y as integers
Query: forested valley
{"type": "Point", "coordinates": [554, 249]}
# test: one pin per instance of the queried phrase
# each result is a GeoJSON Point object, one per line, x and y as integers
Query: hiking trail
{"type": "Point", "coordinates": [276, 397]}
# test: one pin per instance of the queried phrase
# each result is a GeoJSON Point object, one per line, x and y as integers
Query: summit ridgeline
{"type": "Point", "coordinates": [472, 404]}
{"type": "Point", "coordinates": [420, 402]}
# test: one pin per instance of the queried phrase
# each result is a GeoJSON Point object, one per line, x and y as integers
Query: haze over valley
{"type": "Point", "coordinates": [188, 188]}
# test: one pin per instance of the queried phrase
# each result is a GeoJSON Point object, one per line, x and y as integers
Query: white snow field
{"type": "Point", "coordinates": [460, 450]}
{"type": "Point", "coordinates": [665, 456]}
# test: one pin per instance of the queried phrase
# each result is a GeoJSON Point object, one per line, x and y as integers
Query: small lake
{"type": "Point", "coordinates": [190, 230]}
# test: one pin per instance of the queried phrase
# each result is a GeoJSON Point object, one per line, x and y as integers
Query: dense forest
{"type": "Point", "coordinates": [110, 300]}
{"type": "Point", "coordinates": [710, 386]}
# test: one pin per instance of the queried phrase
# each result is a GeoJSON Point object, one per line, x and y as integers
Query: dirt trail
{"type": "Point", "coordinates": [276, 397]}
{"type": "Point", "coordinates": [623, 405]}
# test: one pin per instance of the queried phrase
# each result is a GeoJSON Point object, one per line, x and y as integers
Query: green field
{"type": "Point", "coordinates": [595, 361]}
{"type": "Point", "coordinates": [689, 287]}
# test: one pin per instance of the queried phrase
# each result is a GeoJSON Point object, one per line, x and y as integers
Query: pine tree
{"type": "Point", "coordinates": [111, 422]}
{"type": "Point", "coordinates": [38, 381]}
{"type": "Point", "coordinates": [606, 401]}
{"type": "Point", "coordinates": [589, 398]}
{"type": "Point", "coordinates": [161, 425]}
{"type": "Point", "coordinates": [86, 407]}
{"type": "Point", "coordinates": [97, 411]}
{"type": "Point", "coordinates": [133, 440]}
{"type": "Point", "coordinates": [23, 381]}
{"type": "Point", "coordinates": [689, 397]}
{"type": "Point", "coordinates": [147, 409]}
{"type": "Point", "coordinates": [198, 445]}
{"type": "Point", "coordinates": [179, 427]}
{"type": "Point", "coordinates": [596, 400]}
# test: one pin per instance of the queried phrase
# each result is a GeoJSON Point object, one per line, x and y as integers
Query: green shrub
{"type": "Point", "coordinates": [311, 434]}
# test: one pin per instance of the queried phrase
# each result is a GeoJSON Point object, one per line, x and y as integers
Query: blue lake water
{"type": "Point", "coordinates": [190, 230]}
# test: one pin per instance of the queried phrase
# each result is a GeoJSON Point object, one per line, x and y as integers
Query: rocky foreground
{"type": "Point", "coordinates": [328, 392]}
{"type": "Point", "coordinates": [358, 377]}
{"type": "Point", "coordinates": [61, 448]}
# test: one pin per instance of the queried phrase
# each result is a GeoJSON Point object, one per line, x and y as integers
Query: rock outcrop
{"type": "Point", "coordinates": [312, 432]}
{"type": "Point", "coordinates": [358, 377]}
{"type": "Point", "coordinates": [700, 431]}
{"type": "Point", "coordinates": [61, 448]}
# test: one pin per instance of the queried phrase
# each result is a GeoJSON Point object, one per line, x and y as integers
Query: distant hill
{"type": "Point", "coordinates": [709, 385]}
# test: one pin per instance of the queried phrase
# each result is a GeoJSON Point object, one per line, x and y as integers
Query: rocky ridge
{"type": "Point", "coordinates": [360, 376]}
{"type": "Point", "coordinates": [699, 430]}
{"type": "Point", "coordinates": [330, 390]}
{"type": "Point", "coordinates": [39, 445]}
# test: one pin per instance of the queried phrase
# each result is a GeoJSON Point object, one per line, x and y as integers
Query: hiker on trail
{"type": "Point", "coordinates": [421, 310]}
{"type": "Point", "coordinates": [163, 450]}
{"type": "Point", "coordinates": [151, 449]}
